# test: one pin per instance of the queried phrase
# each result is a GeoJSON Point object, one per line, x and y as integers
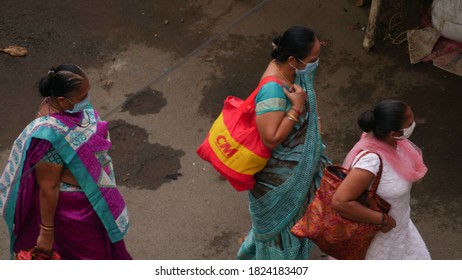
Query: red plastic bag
{"type": "Point", "coordinates": [233, 145]}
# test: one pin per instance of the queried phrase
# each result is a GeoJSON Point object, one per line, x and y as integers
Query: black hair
{"type": "Point", "coordinates": [387, 116]}
{"type": "Point", "coordinates": [62, 80]}
{"type": "Point", "coordinates": [297, 41]}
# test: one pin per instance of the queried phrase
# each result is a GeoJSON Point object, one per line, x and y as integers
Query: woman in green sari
{"type": "Point", "coordinates": [289, 124]}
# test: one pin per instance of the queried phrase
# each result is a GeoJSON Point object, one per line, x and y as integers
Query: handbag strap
{"type": "Point", "coordinates": [250, 101]}
{"type": "Point", "coordinates": [376, 182]}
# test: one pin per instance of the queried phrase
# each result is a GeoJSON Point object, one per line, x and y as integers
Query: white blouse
{"type": "Point", "coordinates": [404, 241]}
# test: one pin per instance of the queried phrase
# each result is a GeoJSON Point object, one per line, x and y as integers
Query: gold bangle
{"type": "Point", "coordinates": [45, 228]}
{"type": "Point", "coordinates": [291, 117]}
{"type": "Point", "coordinates": [295, 111]}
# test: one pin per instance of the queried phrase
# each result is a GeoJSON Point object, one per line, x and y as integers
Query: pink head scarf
{"type": "Point", "coordinates": [406, 158]}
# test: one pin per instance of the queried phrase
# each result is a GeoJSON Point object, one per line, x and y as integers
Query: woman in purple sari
{"type": "Point", "coordinates": [58, 190]}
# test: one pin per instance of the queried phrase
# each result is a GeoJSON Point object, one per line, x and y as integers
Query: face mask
{"type": "Point", "coordinates": [406, 132]}
{"type": "Point", "coordinates": [79, 106]}
{"type": "Point", "coordinates": [309, 67]}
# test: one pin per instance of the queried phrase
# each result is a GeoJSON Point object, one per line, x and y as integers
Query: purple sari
{"type": "Point", "coordinates": [90, 220]}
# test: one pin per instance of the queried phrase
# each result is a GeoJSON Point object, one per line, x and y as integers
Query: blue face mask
{"type": "Point", "coordinates": [79, 106]}
{"type": "Point", "coordinates": [309, 67]}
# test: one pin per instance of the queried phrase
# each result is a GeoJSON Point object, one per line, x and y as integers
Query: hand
{"type": "Point", "coordinates": [391, 224]}
{"type": "Point", "coordinates": [45, 240]}
{"type": "Point", "coordinates": [296, 95]}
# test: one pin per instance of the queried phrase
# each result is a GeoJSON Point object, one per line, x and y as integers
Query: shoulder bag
{"type": "Point", "coordinates": [233, 145]}
{"type": "Point", "coordinates": [335, 235]}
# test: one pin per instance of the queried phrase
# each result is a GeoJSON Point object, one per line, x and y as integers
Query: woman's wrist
{"type": "Point", "coordinates": [297, 109]}
{"type": "Point", "coordinates": [292, 117]}
{"type": "Point", "coordinates": [294, 112]}
{"type": "Point", "coordinates": [47, 228]}
{"type": "Point", "coordinates": [384, 220]}
{"type": "Point", "coordinates": [46, 232]}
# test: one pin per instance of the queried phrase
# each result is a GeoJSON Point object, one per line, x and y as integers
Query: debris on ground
{"type": "Point", "coordinates": [357, 26]}
{"type": "Point", "coordinates": [421, 43]}
{"type": "Point", "coordinates": [15, 51]}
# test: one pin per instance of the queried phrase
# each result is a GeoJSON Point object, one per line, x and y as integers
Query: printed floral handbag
{"type": "Point", "coordinates": [335, 235]}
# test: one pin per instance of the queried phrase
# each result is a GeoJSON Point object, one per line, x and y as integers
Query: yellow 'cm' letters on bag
{"type": "Point", "coordinates": [230, 152]}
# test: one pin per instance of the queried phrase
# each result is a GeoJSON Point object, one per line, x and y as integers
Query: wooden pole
{"type": "Point", "coordinates": [369, 37]}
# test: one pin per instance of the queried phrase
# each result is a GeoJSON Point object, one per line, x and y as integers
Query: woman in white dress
{"type": "Point", "coordinates": [387, 129]}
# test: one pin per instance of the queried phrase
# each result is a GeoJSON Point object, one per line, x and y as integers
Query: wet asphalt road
{"type": "Point", "coordinates": [160, 71]}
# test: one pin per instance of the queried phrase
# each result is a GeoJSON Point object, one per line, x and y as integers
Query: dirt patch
{"type": "Point", "coordinates": [146, 101]}
{"type": "Point", "coordinates": [221, 243]}
{"type": "Point", "coordinates": [139, 164]}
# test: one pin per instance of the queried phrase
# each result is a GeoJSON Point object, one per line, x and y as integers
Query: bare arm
{"type": "Point", "coordinates": [344, 200]}
{"type": "Point", "coordinates": [274, 127]}
{"type": "Point", "coordinates": [48, 177]}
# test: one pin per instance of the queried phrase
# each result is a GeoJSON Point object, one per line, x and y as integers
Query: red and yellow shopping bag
{"type": "Point", "coordinates": [233, 145]}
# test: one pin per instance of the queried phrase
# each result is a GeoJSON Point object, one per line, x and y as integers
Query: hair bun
{"type": "Point", "coordinates": [44, 87]}
{"type": "Point", "coordinates": [366, 121]}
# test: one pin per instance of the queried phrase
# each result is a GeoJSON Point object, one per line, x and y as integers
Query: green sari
{"type": "Point", "coordinates": [284, 188]}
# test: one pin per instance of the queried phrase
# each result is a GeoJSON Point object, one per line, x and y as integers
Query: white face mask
{"type": "Point", "coordinates": [406, 132]}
